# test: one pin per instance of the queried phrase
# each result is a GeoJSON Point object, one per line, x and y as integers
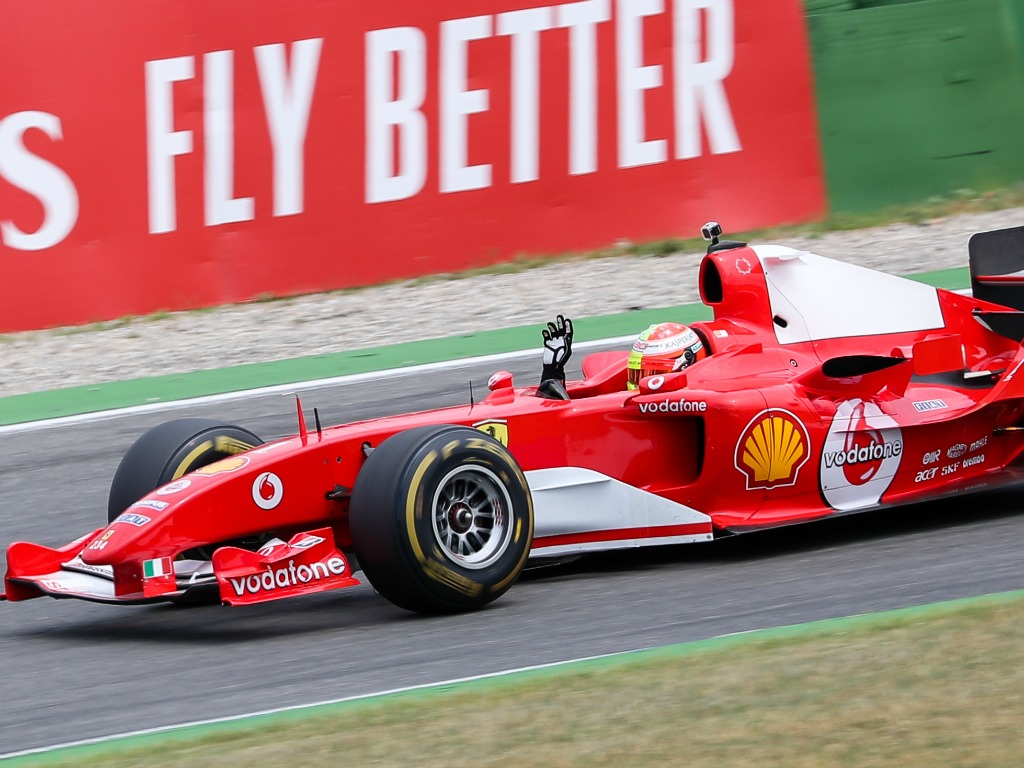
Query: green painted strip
{"type": "Point", "coordinates": [947, 125]}
{"type": "Point", "coordinates": [155, 741]}
{"type": "Point", "coordinates": [72, 401]}
{"type": "Point", "coordinates": [956, 278]}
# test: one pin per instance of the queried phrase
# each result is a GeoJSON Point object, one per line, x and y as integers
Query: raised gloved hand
{"type": "Point", "coordinates": [557, 348]}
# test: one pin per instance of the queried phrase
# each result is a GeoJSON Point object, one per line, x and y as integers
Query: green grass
{"type": "Point", "coordinates": [939, 686]}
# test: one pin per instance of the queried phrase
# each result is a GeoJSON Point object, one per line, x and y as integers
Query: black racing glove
{"type": "Point", "coordinates": [557, 348]}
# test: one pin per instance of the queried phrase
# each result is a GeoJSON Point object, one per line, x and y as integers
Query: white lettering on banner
{"type": "Point", "coordinates": [699, 86]}
{"type": "Point", "coordinates": [163, 143]}
{"type": "Point", "coordinates": [287, 100]}
{"type": "Point", "coordinates": [582, 20]}
{"type": "Point", "coordinates": [524, 28]}
{"type": "Point", "coordinates": [458, 103]}
{"type": "Point", "coordinates": [50, 185]}
{"type": "Point", "coordinates": [219, 147]}
{"type": "Point", "coordinates": [396, 90]}
{"type": "Point", "coordinates": [388, 114]}
{"type": "Point", "coordinates": [635, 78]}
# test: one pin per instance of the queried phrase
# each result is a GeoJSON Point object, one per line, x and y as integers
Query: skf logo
{"type": "Point", "coordinates": [496, 428]}
{"type": "Point", "coordinates": [772, 449]}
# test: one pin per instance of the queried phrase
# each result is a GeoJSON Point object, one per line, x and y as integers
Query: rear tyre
{"type": "Point", "coordinates": [441, 519]}
{"type": "Point", "coordinates": [170, 450]}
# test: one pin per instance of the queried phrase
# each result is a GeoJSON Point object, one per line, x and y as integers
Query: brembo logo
{"type": "Point", "coordinates": [291, 576]}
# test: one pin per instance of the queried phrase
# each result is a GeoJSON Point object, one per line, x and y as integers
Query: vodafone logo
{"type": "Point", "coordinates": [267, 490]}
{"type": "Point", "coordinates": [863, 450]}
{"type": "Point", "coordinates": [291, 575]}
{"type": "Point", "coordinates": [680, 405]}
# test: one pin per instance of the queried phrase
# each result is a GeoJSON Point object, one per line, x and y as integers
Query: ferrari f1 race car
{"type": "Point", "coordinates": [821, 389]}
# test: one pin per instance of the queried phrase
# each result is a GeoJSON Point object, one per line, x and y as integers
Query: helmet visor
{"type": "Point", "coordinates": [650, 365]}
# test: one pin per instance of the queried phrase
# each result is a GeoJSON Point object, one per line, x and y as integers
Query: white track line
{"type": "Point", "coordinates": [284, 389]}
{"type": "Point", "coordinates": [298, 707]}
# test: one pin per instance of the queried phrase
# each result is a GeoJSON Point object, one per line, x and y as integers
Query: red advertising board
{"type": "Point", "coordinates": [182, 153]}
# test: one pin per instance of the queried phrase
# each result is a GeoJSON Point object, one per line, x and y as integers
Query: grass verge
{"type": "Point", "coordinates": [938, 685]}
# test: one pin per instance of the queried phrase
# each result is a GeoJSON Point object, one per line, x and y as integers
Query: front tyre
{"type": "Point", "coordinates": [165, 453]}
{"type": "Point", "coordinates": [170, 450]}
{"type": "Point", "coordinates": [441, 519]}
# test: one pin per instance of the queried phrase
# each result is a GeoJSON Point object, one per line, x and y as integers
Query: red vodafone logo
{"type": "Point", "coordinates": [267, 490]}
{"type": "Point", "coordinates": [863, 444]}
{"type": "Point", "coordinates": [862, 452]}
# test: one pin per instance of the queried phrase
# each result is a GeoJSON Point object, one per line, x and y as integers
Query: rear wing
{"type": "Point", "coordinates": [997, 266]}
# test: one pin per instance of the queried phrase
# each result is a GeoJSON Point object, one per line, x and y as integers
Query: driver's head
{"type": "Point", "coordinates": [663, 348]}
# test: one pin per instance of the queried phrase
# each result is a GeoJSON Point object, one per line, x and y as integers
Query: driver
{"type": "Point", "coordinates": [663, 348]}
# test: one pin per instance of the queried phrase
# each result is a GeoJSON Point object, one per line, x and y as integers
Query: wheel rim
{"type": "Point", "coordinates": [471, 518]}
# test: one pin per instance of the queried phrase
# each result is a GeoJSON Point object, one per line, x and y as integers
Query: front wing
{"type": "Point", "coordinates": [310, 562]}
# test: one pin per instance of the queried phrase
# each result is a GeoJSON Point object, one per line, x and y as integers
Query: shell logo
{"type": "Point", "coordinates": [772, 449]}
{"type": "Point", "coordinates": [230, 464]}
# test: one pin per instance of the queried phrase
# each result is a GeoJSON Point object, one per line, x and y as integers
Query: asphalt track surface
{"type": "Point", "coordinates": [74, 670]}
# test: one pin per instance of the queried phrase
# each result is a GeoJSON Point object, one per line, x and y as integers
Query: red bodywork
{"type": "Point", "coordinates": [793, 416]}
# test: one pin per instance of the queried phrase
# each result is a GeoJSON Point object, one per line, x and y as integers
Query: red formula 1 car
{"type": "Point", "coordinates": [821, 389]}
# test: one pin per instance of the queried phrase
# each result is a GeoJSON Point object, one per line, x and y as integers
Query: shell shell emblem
{"type": "Point", "coordinates": [772, 449]}
{"type": "Point", "coordinates": [229, 464]}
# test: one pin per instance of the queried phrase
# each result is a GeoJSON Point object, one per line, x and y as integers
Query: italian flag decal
{"type": "Point", "coordinates": [152, 569]}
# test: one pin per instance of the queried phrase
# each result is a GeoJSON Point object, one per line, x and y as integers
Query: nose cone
{"type": "Point", "coordinates": [126, 534]}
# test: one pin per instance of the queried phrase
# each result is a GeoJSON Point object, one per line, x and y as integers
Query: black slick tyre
{"type": "Point", "coordinates": [441, 519]}
{"type": "Point", "coordinates": [170, 450]}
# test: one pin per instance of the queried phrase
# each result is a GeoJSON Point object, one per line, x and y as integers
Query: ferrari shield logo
{"type": "Point", "coordinates": [496, 428]}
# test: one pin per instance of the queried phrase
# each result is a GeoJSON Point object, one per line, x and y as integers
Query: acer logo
{"type": "Point", "coordinates": [290, 576]}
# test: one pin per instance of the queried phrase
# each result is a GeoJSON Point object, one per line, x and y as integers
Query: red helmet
{"type": "Point", "coordinates": [663, 348]}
